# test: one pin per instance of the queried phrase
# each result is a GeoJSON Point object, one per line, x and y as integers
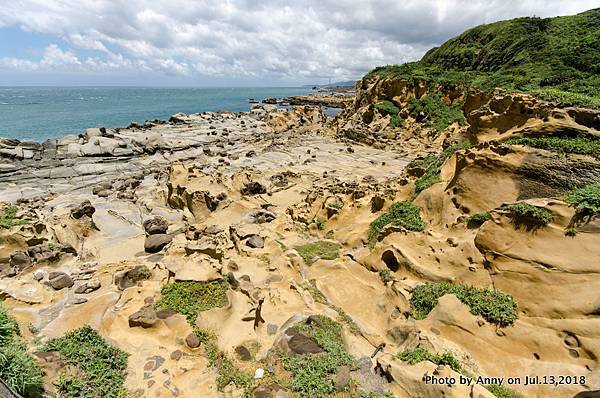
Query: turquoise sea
{"type": "Point", "coordinates": [39, 113]}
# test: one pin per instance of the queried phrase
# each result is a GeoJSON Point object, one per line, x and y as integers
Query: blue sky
{"type": "Point", "coordinates": [232, 42]}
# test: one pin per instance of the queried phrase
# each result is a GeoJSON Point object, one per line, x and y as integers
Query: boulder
{"type": "Point", "coordinates": [253, 188]}
{"type": "Point", "coordinates": [131, 277]}
{"type": "Point", "coordinates": [302, 344]}
{"type": "Point", "coordinates": [255, 242]}
{"type": "Point", "coordinates": [88, 287]}
{"type": "Point", "coordinates": [242, 353]}
{"type": "Point", "coordinates": [145, 317]}
{"type": "Point", "coordinates": [377, 203]}
{"type": "Point", "coordinates": [85, 208]}
{"type": "Point", "coordinates": [59, 280]}
{"type": "Point", "coordinates": [156, 225]}
{"type": "Point", "coordinates": [155, 243]}
{"type": "Point", "coordinates": [192, 340]}
{"type": "Point", "coordinates": [342, 378]}
{"type": "Point", "coordinates": [20, 260]}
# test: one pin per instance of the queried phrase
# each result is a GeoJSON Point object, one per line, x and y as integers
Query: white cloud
{"type": "Point", "coordinates": [283, 39]}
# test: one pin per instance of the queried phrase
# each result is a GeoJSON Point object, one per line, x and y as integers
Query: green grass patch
{"type": "Point", "coordinates": [586, 200]}
{"type": "Point", "coordinates": [401, 214]}
{"type": "Point", "coordinates": [388, 108]}
{"type": "Point", "coordinates": [17, 368]}
{"type": "Point", "coordinates": [437, 113]}
{"type": "Point", "coordinates": [579, 145]}
{"type": "Point", "coordinates": [386, 275]}
{"type": "Point", "coordinates": [420, 354]}
{"type": "Point", "coordinates": [502, 392]}
{"type": "Point", "coordinates": [322, 249]}
{"type": "Point", "coordinates": [530, 215]}
{"type": "Point", "coordinates": [493, 305]}
{"type": "Point", "coordinates": [102, 365]}
{"type": "Point", "coordinates": [478, 219]}
{"type": "Point", "coordinates": [189, 298]}
{"type": "Point", "coordinates": [432, 165]}
{"type": "Point", "coordinates": [312, 374]}
{"type": "Point", "coordinates": [8, 220]}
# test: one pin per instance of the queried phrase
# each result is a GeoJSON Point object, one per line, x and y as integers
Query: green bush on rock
{"type": "Point", "coordinates": [102, 365]}
{"type": "Point", "coordinates": [401, 214]}
{"type": "Point", "coordinates": [586, 200]}
{"type": "Point", "coordinates": [322, 249]}
{"type": "Point", "coordinates": [493, 305]}
{"type": "Point", "coordinates": [189, 298]}
{"type": "Point", "coordinates": [530, 215]}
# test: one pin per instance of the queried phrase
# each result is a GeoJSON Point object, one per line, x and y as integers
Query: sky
{"type": "Point", "coordinates": [233, 42]}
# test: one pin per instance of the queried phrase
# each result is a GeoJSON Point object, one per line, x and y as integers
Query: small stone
{"type": "Point", "coordinates": [84, 209]}
{"type": "Point", "coordinates": [500, 333]}
{"type": "Point", "coordinates": [480, 322]}
{"type": "Point", "coordinates": [232, 265]}
{"type": "Point", "coordinates": [39, 274]}
{"type": "Point", "coordinates": [255, 242]}
{"type": "Point", "coordinates": [271, 329]}
{"type": "Point", "coordinates": [176, 355]}
{"type": "Point", "coordinates": [145, 317]}
{"type": "Point", "coordinates": [243, 353]}
{"type": "Point", "coordinates": [155, 243]}
{"type": "Point", "coordinates": [88, 287]}
{"type": "Point", "coordinates": [192, 341]}
{"type": "Point", "coordinates": [259, 373]}
{"type": "Point", "coordinates": [342, 378]}
{"type": "Point", "coordinates": [156, 225]}
{"type": "Point", "coordinates": [60, 280]}
{"type": "Point", "coordinates": [80, 300]}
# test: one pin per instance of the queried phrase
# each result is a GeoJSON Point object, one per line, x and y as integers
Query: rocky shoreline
{"type": "Point", "coordinates": [298, 226]}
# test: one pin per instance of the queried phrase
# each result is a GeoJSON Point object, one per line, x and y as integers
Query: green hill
{"type": "Point", "coordinates": [557, 59]}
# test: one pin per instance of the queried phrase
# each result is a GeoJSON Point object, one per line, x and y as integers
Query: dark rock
{"type": "Point", "coordinates": [342, 378]}
{"type": "Point", "coordinates": [59, 280]}
{"type": "Point", "coordinates": [155, 243]}
{"type": "Point", "coordinates": [271, 329]}
{"type": "Point", "coordinates": [243, 353]}
{"type": "Point", "coordinates": [255, 242]}
{"type": "Point", "coordinates": [415, 171]}
{"type": "Point", "coordinates": [84, 209]}
{"type": "Point", "coordinates": [131, 277]}
{"type": "Point", "coordinates": [145, 317]}
{"type": "Point", "coordinates": [88, 287]}
{"type": "Point", "coordinates": [20, 260]}
{"type": "Point", "coordinates": [164, 314]}
{"type": "Point", "coordinates": [156, 225]}
{"type": "Point", "coordinates": [377, 203]}
{"type": "Point", "coordinates": [192, 341]}
{"type": "Point", "coordinates": [301, 344]}
{"type": "Point", "coordinates": [176, 355]}
{"type": "Point", "coordinates": [253, 188]}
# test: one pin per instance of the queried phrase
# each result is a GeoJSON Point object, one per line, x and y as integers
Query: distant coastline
{"type": "Point", "coordinates": [40, 113]}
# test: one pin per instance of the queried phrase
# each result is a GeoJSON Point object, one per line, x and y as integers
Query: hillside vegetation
{"type": "Point", "coordinates": [557, 59]}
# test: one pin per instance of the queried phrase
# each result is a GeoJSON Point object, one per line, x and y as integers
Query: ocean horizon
{"type": "Point", "coordinates": [38, 113]}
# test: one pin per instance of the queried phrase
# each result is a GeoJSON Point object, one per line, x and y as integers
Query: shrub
{"type": "Point", "coordinates": [102, 365]}
{"type": "Point", "coordinates": [524, 213]}
{"type": "Point", "coordinates": [312, 374]}
{"type": "Point", "coordinates": [578, 145]}
{"type": "Point", "coordinates": [8, 219]}
{"type": "Point", "coordinates": [387, 108]}
{"type": "Point", "coordinates": [438, 114]}
{"type": "Point", "coordinates": [322, 249]}
{"type": "Point", "coordinates": [420, 354]}
{"type": "Point", "coordinates": [17, 368]}
{"type": "Point", "coordinates": [385, 275]}
{"type": "Point", "coordinates": [586, 200]}
{"type": "Point", "coordinates": [502, 392]}
{"type": "Point", "coordinates": [432, 165]}
{"type": "Point", "coordinates": [493, 305]}
{"type": "Point", "coordinates": [401, 214]}
{"type": "Point", "coordinates": [571, 232]}
{"type": "Point", "coordinates": [478, 219]}
{"type": "Point", "coordinates": [189, 298]}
